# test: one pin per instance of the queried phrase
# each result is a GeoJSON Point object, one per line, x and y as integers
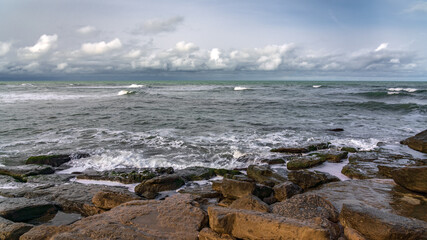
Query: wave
{"type": "Point", "coordinates": [410, 90]}
{"type": "Point", "coordinates": [240, 88]}
{"type": "Point", "coordinates": [136, 86]}
{"type": "Point", "coordinates": [384, 94]}
{"type": "Point", "coordinates": [125, 92]}
{"type": "Point", "coordinates": [317, 86]}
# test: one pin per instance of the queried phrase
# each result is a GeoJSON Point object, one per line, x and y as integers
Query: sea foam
{"type": "Point", "coordinates": [135, 86]}
{"type": "Point", "coordinates": [411, 90]}
{"type": "Point", "coordinates": [125, 92]}
{"type": "Point", "coordinates": [317, 86]}
{"type": "Point", "coordinates": [240, 88]}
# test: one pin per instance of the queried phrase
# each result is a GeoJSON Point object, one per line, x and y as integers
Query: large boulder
{"type": "Point", "coordinates": [353, 171]}
{"type": "Point", "coordinates": [55, 160]}
{"type": "Point", "coordinates": [123, 175]}
{"type": "Point", "coordinates": [177, 217]}
{"type": "Point", "coordinates": [24, 209]}
{"type": "Point", "coordinates": [412, 178]}
{"type": "Point", "coordinates": [417, 142]}
{"type": "Point", "coordinates": [250, 202]}
{"type": "Point", "coordinates": [12, 231]}
{"type": "Point", "coordinates": [247, 224]}
{"type": "Point", "coordinates": [378, 225]}
{"type": "Point", "coordinates": [304, 162]}
{"type": "Point", "coordinates": [209, 234]}
{"type": "Point", "coordinates": [309, 179]}
{"type": "Point", "coordinates": [107, 199]}
{"type": "Point", "coordinates": [331, 156]}
{"type": "Point", "coordinates": [150, 188]}
{"type": "Point", "coordinates": [286, 190]}
{"type": "Point", "coordinates": [21, 173]}
{"type": "Point", "coordinates": [235, 189]}
{"type": "Point", "coordinates": [265, 175]}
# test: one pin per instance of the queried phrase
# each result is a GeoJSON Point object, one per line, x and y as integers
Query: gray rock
{"type": "Point", "coordinates": [250, 202]}
{"type": "Point", "coordinates": [22, 172]}
{"type": "Point", "coordinates": [412, 178]}
{"type": "Point", "coordinates": [304, 162]}
{"type": "Point", "coordinates": [286, 190]}
{"type": "Point", "coordinates": [309, 179]}
{"type": "Point", "coordinates": [235, 189]}
{"type": "Point", "coordinates": [150, 188]}
{"type": "Point", "coordinates": [24, 209]}
{"type": "Point", "coordinates": [265, 175]}
{"type": "Point", "coordinates": [55, 160]}
{"type": "Point", "coordinates": [12, 231]}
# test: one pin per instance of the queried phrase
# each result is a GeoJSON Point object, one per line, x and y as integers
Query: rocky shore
{"type": "Point", "coordinates": [383, 196]}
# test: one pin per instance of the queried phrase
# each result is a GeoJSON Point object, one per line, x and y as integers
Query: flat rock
{"type": "Point", "coordinates": [107, 199]}
{"type": "Point", "coordinates": [55, 160]}
{"type": "Point", "coordinates": [309, 179]}
{"type": "Point", "coordinates": [24, 209]}
{"type": "Point", "coordinates": [354, 171]}
{"type": "Point", "coordinates": [236, 189]}
{"type": "Point", "coordinates": [378, 225]}
{"type": "Point", "coordinates": [177, 217]}
{"type": "Point", "coordinates": [150, 188]}
{"type": "Point", "coordinates": [331, 156]}
{"type": "Point", "coordinates": [209, 234]}
{"type": "Point", "coordinates": [304, 162]}
{"type": "Point", "coordinates": [286, 190]}
{"type": "Point", "coordinates": [265, 175]}
{"type": "Point", "coordinates": [203, 191]}
{"type": "Point", "coordinates": [250, 202]}
{"type": "Point", "coordinates": [247, 224]}
{"type": "Point", "coordinates": [12, 231]}
{"type": "Point", "coordinates": [22, 172]}
{"type": "Point", "coordinates": [412, 178]}
{"type": "Point", "coordinates": [417, 142]}
{"type": "Point", "coordinates": [123, 175]}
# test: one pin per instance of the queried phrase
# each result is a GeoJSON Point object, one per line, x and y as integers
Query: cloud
{"type": "Point", "coordinates": [86, 30]}
{"type": "Point", "coordinates": [43, 45]}
{"type": "Point", "coordinates": [155, 26]}
{"type": "Point", "coordinates": [4, 48]}
{"type": "Point", "coordinates": [61, 66]}
{"type": "Point", "coordinates": [382, 46]}
{"type": "Point", "coordinates": [418, 7]}
{"type": "Point", "coordinates": [101, 47]}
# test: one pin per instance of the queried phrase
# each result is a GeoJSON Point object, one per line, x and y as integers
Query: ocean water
{"type": "Point", "coordinates": [200, 123]}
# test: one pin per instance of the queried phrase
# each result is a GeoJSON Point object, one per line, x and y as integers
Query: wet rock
{"type": "Point", "coordinates": [124, 175]}
{"type": "Point", "coordinates": [376, 224]}
{"type": "Point", "coordinates": [106, 199]}
{"type": "Point", "coordinates": [309, 179]}
{"type": "Point", "coordinates": [352, 171]}
{"type": "Point", "coordinates": [274, 161]}
{"type": "Point", "coordinates": [349, 149]}
{"type": "Point", "coordinates": [385, 170]}
{"type": "Point", "coordinates": [23, 209]}
{"type": "Point", "coordinates": [352, 234]}
{"type": "Point", "coordinates": [331, 156]}
{"type": "Point", "coordinates": [417, 142]}
{"type": "Point", "coordinates": [177, 217]}
{"type": "Point", "coordinates": [412, 178]}
{"type": "Point", "coordinates": [250, 202]}
{"type": "Point", "coordinates": [336, 130]}
{"type": "Point", "coordinates": [150, 188]}
{"type": "Point", "coordinates": [247, 224]}
{"type": "Point", "coordinates": [363, 157]}
{"type": "Point", "coordinates": [235, 189]}
{"type": "Point", "coordinates": [382, 194]}
{"type": "Point", "coordinates": [12, 231]}
{"type": "Point", "coordinates": [50, 178]}
{"type": "Point", "coordinates": [203, 173]}
{"type": "Point", "coordinates": [55, 160]}
{"type": "Point", "coordinates": [203, 191]}
{"type": "Point", "coordinates": [304, 162]}
{"type": "Point", "coordinates": [265, 175]}
{"type": "Point", "coordinates": [286, 190]}
{"type": "Point", "coordinates": [21, 173]}
{"type": "Point", "coordinates": [306, 206]}
{"type": "Point", "coordinates": [289, 150]}
{"type": "Point", "coordinates": [263, 191]}
{"type": "Point", "coordinates": [209, 234]}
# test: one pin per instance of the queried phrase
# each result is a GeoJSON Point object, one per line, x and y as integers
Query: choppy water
{"type": "Point", "coordinates": [180, 124]}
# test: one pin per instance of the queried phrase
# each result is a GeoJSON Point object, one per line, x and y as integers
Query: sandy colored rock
{"type": "Point", "coordinates": [236, 189]}
{"type": "Point", "coordinates": [256, 225]}
{"type": "Point", "coordinates": [352, 234]}
{"type": "Point", "coordinates": [209, 234]}
{"type": "Point", "coordinates": [417, 142]}
{"type": "Point", "coordinates": [265, 175]}
{"type": "Point", "coordinates": [12, 231]}
{"type": "Point", "coordinates": [412, 178]}
{"type": "Point", "coordinates": [44, 232]}
{"type": "Point", "coordinates": [150, 188]}
{"type": "Point", "coordinates": [309, 179]}
{"type": "Point", "coordinates": [177, 217]}
{"type": "Point", "coordinates": [106, 199]}
{"type": "Point", "coordinates": [286, 190]}
{"type": "Point", "coordinates": [379, 225]}
{"type": "Point", "coordinates": [24, 209]}
{"type": "Point", "coordinates": [250, 202]}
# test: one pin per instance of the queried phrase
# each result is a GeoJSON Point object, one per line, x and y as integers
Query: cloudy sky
{"type": "Point", "coordinates": [207, 39]}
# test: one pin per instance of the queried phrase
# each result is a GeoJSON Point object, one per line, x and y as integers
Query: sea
{"type": "Point", "coordinates": [222, 124]}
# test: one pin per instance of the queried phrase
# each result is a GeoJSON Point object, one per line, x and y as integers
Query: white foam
{"type": "Point", "coordinates": [240, 88]}
{"type": "Point", "coordinates": [125, 92]}
{"type": "Point", "coordinates": [135, 86]}
{"type": "Point", "coordinates": [402, 89]}
{"type": "Point", "coordinates": [317, 86]}
{"type": "Point", "coordinates": [361, 144]}
{"type": "Point", "coordinates": [130, 187]}
{"type": "Point", "coordinates": [42, 96]}
{"type": "Point", "coordinates": [392, 93]}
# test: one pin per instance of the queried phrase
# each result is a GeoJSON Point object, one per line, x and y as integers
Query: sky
{"type": "Point", "coordinates": [213, 39]}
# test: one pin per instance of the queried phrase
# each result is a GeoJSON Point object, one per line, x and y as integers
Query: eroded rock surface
{"type": "Point", "coordinates": [417, 142]}
{"type": "Point", "coordinates": [412, 178]}
{"type": "Point", "coordinates": [12, 231]}
{"type": "Point", "coordinates": [309, 179]}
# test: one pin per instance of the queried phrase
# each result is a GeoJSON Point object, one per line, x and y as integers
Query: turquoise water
{"type": "Point", "coordinates": [209, 123]}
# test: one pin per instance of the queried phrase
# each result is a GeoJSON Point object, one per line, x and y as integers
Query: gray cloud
{"type": "Point", "coordinates": [155, 26]}
{"type": "Point", "coordinates": [418, 7]}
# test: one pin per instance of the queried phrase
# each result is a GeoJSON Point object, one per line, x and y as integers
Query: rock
{"type": "Point", "coordinates": [318, 146]}
{"type": "Point", "coordinates": [309, 179]}
{"type": "Point", "coordinates": [274, 161]}
{"type": "Point", "coordinates": [349, 149]}
{"type": "Point", "coordinates": [209, 234]}
{"type": "Point", "coordinates": [378, 225]}
{"type": "Point", "coordinates": [304, 162]}
{"type": "Point", "coordinates": [44, 232]}
{"type": "Point", "coordinates": [250, 202]}
{"type": "Point", "coordinates": [150, 188]}
{"type": "Point", "coordinates": [265, 175]}
{"type": "Point", "coordinates": [226, 202]}
{"type": "Point", "coordinates": [286, 190]}
{"type": "Point", "coordinates": [382, 194]}
{"type": "Point", "coordinates": [306, 206]}
{"type": "Point", "coordinates": [353, 172]}
{"type": "Point", "coordinates": [177, 217]}
{"type": "Point", "coordinates": [12, 231]}
{"type": "Point", "coordinates": [55, 160]}
{"type": "Point", "coordinates": [417, 142]}
{"type": "Point", "coordinates": [336, 130]}
{"type": "Point", "coordinates": [23, 209]}
{"type": "Point", "coordinates": [256, 225]}
{"type": "Point", "coordinates": [21, 173]}
{"type": "Point", "coordinates": [412, 178]}
{"type": "Point", "coordinates": [385, 170]}
{"type": "Point", "coordinates": [352, 234]}
{"type": "Point", "coordinates": [123, 175]}
{"type": "Point", "coordinates": [106, 199]}
{"type": "Point", "coordinates": [203, 173]}
{"type": "Point", "coordinates": [235, 189]}
{"type": "Point", "coordinates": [203, 191]}
{"type": "Point", "coordinates": [363, 157]}
{"type": "Point", "coordinates": [263, 191]}
{"type": "Point", "coordinates": [331, 156]}
{"type": "Point", "coordinates": [289, 150]}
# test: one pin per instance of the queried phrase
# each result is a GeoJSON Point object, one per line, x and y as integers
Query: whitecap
{"type": "Point", "coordinates": [317, 86]}
{"type": "Point", "coordinates": [411, 90]}
{"type": "Point", "coordinates": [392, 93]}
{"type": "Point", "coordinates": [135, 86]}
{"type": "Point", "coordinates": [125, 92]}
{"type": "Point", "coordinates": [240, 88]}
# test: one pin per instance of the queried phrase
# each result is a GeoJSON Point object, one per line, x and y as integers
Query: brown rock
{"type": "Point", "coordinates": [44, 232]}
{"type": "Point", "coordinates": [108, 199]}
{"type": "Point", "coordinates": [352, 234]}
{"type": "Point", "coordinates": [308, 179]}
{"type": "Point", "coordinates": [226, 202]}
{"type": "Point", "coordinates": [412, 178]}
{"type": "Point", "coordinates": [236, 189]}
{"type": "Point", "coordinates": [378, 225]}
{"type": "Point", "coordinates": [286, 190]}
{"type": "Point", "coordinates": [256, 225]}
{"type": "Point", "coordinates": [177, 217]}
{"type": "Point", "coordinates": [417, 142]}
{"type": "Point", "coordinates": [265, 175]}
{"type": "Point", "coordinates": [250, 202]}
{"type": "Point", "coordinates": [209, 234]}
{"type": "Point", "coordinates": [151, 187]}
{"type": "Point", "coordinates": [12, 231]}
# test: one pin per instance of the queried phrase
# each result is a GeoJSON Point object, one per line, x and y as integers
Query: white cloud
{"type": "Point", "coordinates": [186, 47]}
{"type": "Point", "coordinates": [61, 66]}
{"type": "Point", "coordinates": [4, 48]}
{"type": "Point", "coordinates": [86, 30]}
{"type": "Point", "coordinates": [382, 46]}
{"type": "Point", "coordinates": [154, 26]}
{"type": "Point", "coordinates": [134, 53]}
{"type": "Point", "coordinates": [394, 60]}
{"type": "Point", "coordinates": [31, 67]}
{"type": "Point", "coordinates": [418, 7]}
{"type": "Point", "coordinates": [43, 45]}
{"type": "Point", "coordinates": [101, 47]}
